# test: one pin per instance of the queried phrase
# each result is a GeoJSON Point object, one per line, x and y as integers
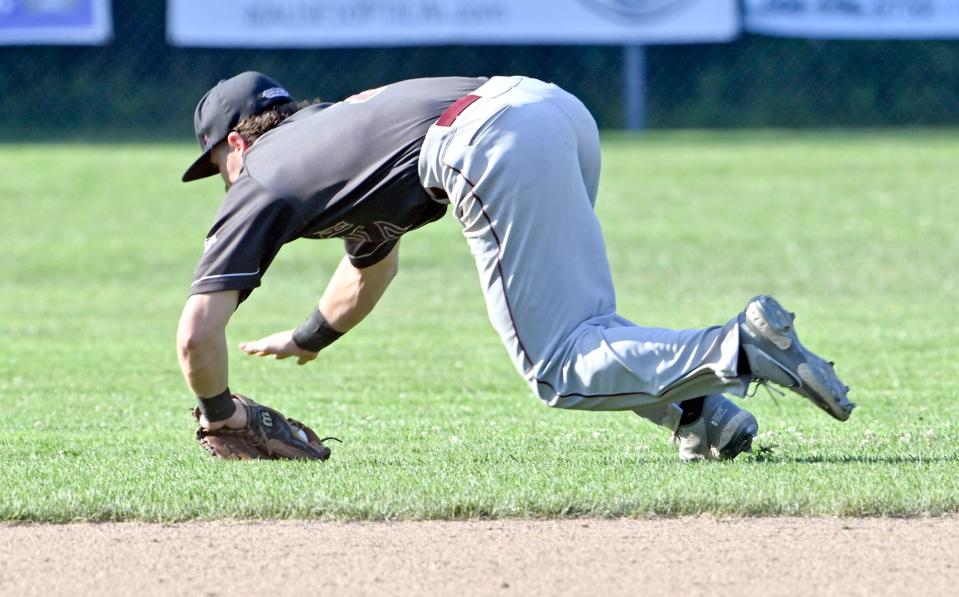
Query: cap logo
{"type": "Point", "coordinates": [274, 92]}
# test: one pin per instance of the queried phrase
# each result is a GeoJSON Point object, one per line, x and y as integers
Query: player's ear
{"type": "Point", "coordinates": [237, 142]}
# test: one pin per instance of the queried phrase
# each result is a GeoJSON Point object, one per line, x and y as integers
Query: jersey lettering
{"type": "Point", "coordinates": [335, 230]}
{"type": "Point", "coordinates": [345, 230]}
{"type": "Point", "coordinates": [358, 235]}
{"type": "Point", "coordinates": [389, 231]}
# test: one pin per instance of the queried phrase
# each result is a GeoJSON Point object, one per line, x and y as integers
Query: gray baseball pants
{"type": "Point", "coordinates": [520, 167]}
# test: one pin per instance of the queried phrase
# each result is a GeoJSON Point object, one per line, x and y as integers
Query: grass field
{"type": "Point", "coordinates": [855, 231]}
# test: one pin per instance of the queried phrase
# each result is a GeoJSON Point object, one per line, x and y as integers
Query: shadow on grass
{"type": "Point", "coordinates": [764, 457]}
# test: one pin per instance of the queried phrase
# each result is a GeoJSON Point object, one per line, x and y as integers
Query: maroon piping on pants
{"type": "Point", "coordinates": [499, 263]}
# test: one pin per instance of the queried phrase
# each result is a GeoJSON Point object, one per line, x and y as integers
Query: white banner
{"type": "Point", "coordinates": [854, 19]}
{"type": "Point", "coordinates": [55, 22]}
{"type": "Point", "coordinates": [332, 23]}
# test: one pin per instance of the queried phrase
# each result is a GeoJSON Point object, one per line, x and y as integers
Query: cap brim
{"type": "Point", "coordinates": [201, 168]}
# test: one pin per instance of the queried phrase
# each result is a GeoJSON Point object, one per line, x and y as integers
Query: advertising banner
{"type": "Point", "coordinates": [332, 23]}
{"type": "Point", "coordinates": [55, 22]}
{"type": "Point", "coordinates": [854, 19]}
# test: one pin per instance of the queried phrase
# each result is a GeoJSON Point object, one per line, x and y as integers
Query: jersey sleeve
{"type": "Point", "coordinates": [245, 238]}
{"type": "Point", "coordinates": [366, 253]}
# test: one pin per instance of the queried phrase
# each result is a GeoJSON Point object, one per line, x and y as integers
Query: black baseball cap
{"type": "Point", "coordinates": [229, 102]}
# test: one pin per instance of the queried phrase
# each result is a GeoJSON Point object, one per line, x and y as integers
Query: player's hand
{"type": "Point", "coordinates": [280, 346]}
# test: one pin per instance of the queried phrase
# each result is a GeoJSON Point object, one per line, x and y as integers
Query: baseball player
{"type": "Point", "coordinates": [517, 162]}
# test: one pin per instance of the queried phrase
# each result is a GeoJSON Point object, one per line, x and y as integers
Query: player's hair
{"type": "Point", "coordinates": [253, 127]}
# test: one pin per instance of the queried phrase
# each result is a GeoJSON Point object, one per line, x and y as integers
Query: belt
{"type": "Point", "coordinates": [448, 117]}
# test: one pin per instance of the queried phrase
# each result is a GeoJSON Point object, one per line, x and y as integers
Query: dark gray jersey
{"type": "Point", "coordinates": [346, 170]}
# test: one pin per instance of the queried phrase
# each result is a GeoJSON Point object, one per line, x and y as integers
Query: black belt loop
{"type": "Point", "coordinates": [436, 193]}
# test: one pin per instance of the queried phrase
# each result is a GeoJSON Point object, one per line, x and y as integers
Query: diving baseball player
{"type": "Point", "coordinates": [517, 162]}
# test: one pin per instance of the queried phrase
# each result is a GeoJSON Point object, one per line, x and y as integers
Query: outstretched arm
{"type": "Point", "coordinates": [349, 297]}
{"type": "Point", "coordinates": [201, 341]}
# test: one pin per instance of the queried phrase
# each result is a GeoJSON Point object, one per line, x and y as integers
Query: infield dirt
{"type": "Point", "coordinates": [752, 556]}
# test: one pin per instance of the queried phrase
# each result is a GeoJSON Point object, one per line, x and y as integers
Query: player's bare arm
{"type": "Point", "coordinates": [201, 340]}
{"type": "Point", "coordinates": [350, 296]}
{"type": "Point", "coordinates": [201, 345]}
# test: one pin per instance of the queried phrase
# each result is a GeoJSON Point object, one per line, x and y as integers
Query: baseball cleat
{"type": "Point", "coordinates": [720, 433]}
{"type": "Point", "coordinates": [768, 338]}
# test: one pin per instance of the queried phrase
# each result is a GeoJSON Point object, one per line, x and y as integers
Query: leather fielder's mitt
{"type": "Point", "coordinates": [268, 435]}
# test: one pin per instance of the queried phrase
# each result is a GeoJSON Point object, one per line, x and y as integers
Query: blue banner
{"type": "Point", "coordinates": [55, 22]}
{"type": "Point", "coordinates": [335, 23]}
{"type": "Point", "coordinates": [854, 19]}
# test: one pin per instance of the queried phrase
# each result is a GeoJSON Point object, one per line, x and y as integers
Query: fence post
{"type": "Point", "coordinates": [634, 86]}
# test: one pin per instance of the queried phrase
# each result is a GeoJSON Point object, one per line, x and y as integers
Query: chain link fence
{"type": "Point", "coordinates": [140, 87]}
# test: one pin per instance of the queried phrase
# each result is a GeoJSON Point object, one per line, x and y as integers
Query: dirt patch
{"type": "Point", "coordinates": [769, 556]}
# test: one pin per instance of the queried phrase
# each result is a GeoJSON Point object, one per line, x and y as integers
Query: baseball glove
{"type": "Point", "coordinates": [268, 435]}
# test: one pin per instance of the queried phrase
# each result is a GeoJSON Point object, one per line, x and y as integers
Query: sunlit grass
{"type": "Point", "coordinates": [856, 232]}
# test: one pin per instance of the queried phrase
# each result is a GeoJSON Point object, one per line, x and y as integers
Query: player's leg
{"type": "Point", "coordinates": [512, 170]}
{"type": "Point", "coordinates": [514, 175]}
{"type": "Point", "coordinates": [664, 414]}
{"type": "Point", "coordinates": [769, 343]}
{"type": "Point", "coordinates": [704, 428]}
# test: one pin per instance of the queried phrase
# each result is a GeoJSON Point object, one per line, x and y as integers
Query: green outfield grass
{"type": "Point", "coordinates": [855, 231]}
